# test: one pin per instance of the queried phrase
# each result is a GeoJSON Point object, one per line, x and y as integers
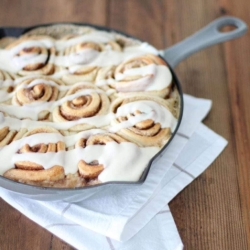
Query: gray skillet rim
{"type": "Point", "coordinates": [207, 36]}
{"type": "Point", "coordinates": [17, 31]}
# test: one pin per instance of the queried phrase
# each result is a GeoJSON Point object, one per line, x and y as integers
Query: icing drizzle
{"type": "Point", "coordinates": [135, 159]}
{"type": "Point", "coordinates": [130, 169]}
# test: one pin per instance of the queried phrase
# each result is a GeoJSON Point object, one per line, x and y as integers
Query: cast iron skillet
{"type": "Point", "coordinates": [208, 36]}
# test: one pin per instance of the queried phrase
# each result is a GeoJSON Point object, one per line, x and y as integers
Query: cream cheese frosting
{"type": "Point", "coordinates": [127, 95]}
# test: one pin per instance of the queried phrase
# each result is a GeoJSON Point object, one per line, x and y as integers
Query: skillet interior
{"type": "Point", "coordinates": [56, 30]}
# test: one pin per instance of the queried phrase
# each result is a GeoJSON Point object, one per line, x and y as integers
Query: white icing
{"type": "Point", "coordinates": [149, 110]}
{"type": "Point", "coordinates": [117, 57]}
{"type": "Point", "coordinates": [82, 57]}
{"type": "Point", "coordinates": [60, 73]}
{"type": "Point", "coordinates": [16, 124]}
{"type": "Point", "coordinates": [154, 77]}
{"type": "Point", "coordinates": [135, 159]}
{"type": "Point", "coordinates": [22, 61]}
{"type": "Point", "coordinates": [142, 71]}
{"type": "Point", "coordinates": [140, 84]}
{"type": "Point", "coordinates": [7, 152]}
{"type": "Point", "coordinates": [9, 60]}
{"type": "Point", "coordinates": [33, 109]}
{"type": "Point", "coordinates": [162, 79]}
{"type": "Point", "coordinates": [4, 95]}
{"type": "Point", "coordinates": [43, 43]}
{"type": "Point", "coordinates": [1, 117]}
{"type": "Point", "coordinates": [13, 83]}
{"type": "Point", "coordinates": [71, 139]}
{"type": "Point", "coordinates": [149, 48]}
{"type": "Point", "coordinates": [104, 82]}
{"type": "Point", "coordinates": [24, 78]}
{"type": "Point", "coordinates": [6, 61]}
{"type": "Point", "coordinates": [43, 81]}
{"type": "Point", "coordinates": [96, 37]}
{"type": "Point", "coordinates": [114, 57]}
{"type": "Point", "coordinates": [109, 92]}
{"type": "Point", "coordinates": [6, 83]}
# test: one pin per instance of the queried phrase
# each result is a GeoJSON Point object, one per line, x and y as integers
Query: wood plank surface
{"type": "Point", "coordinates": [213, 213]}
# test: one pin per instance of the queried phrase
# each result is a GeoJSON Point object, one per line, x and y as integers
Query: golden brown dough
{"type": "Point", "coordinates": [54, 173]}
{"type": "Point", "coordinates": [46, 67]}
{"type": "Point", "coordinates": [129, 84]}
{"type": "Point", "coordinates": [145, 133]}
{"type": "Point", "coordinates": [89, 104]}
{"type": "Point", "coordinates": [85, 72]}
{"type": "Point", "coordinates": [30, 171]}
{"type": "Point", "coordinates": [92, 169]}
{"type": "Point", "coordinates": [7, 135]}
{"type": "Point", "coordinates": [90, 91]}
{"type": "Point", "coordinates": [40, 92]}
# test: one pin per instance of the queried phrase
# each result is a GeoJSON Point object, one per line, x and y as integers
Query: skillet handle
{"type": "Point", "coordinates": [206, 37]}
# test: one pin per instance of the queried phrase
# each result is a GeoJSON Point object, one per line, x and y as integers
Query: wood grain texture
{"type": "Point", "coordinates": [237, 62]}
{"type": "Point", "coordinates": [213, 212]}
{"type": "Point", "coordinates": [28, 12]}
{"type": "Point", "coordinates": [212, 204]}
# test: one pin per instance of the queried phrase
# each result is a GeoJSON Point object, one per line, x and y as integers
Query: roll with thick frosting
{"type": "Point", "coordinates": [33, 55]}
{"type": "Point", "coordinates": [142, 119]}
{"type": "Point", "coordinates": [87, 101]}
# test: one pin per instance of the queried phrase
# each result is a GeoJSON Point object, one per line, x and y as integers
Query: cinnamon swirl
{"type": "Point", "coordinates": [38, 90]}
{"type": "Point", "coordinates": [78, 55]}
{"type": "Point", "coordinates": [8, 135]}
{"type": "Point", "coordinates": [147, 73]}
{"type": "Point", "coordinates": [144, 120]}
{"type": "Point", "coordinates": [33, 55]}
{"type": "Point", "coordinates": [82, 107]}
{"type": "Point", "coordinates": [92, 169]}
{"type": "Point", "coordinates": [26, 171]}
{"type": "Point", "coordinates": [7, 86]}
{"type": "Point", "coordinates": [88, 101]}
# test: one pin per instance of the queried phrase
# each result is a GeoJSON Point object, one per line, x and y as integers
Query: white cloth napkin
{"type": "Point", "coordinates": [121, 212]}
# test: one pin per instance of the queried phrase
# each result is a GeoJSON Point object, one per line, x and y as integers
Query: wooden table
{"type": "Point", "coordinates": [214, 211]}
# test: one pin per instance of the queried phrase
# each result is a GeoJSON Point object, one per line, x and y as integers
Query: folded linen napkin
{"type": "Point", "coordinates": [159, 233]}
{"type": "Point", "coordinates": [121, 213]}
{"type": "Point", "coordinates": [110, 210]}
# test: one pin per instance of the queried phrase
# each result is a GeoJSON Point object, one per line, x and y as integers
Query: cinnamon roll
{"type": "Point", "coordinates": [65, 86]}
{"type": "Point", "coordinates": [26, 171]}
{"type": "Point", "coordinates": [105, 77]}
{"type": "Point", "coordinates": [6, 41]}
{"type": "Point", "coordinates": [30, 172]}
{"type": "Point", "coordinates": [142, 119]}
{"type": "Point", "coordinates": [7, 85]}
{"type": "Point", "coordinates": [82, 73]}
{"type": "Point", "coordinates": [147, 73]}
{"type": "Point", "coordinates": [99, 139]}
{"type": "Point", "coordinates": [33, 55]}
{"type": "Point", "coordinates": [84, 101]}
{"type": "Point", "coordinates": [8, 135]}
{"type": "Point", "coordinates": [78, 55]}
{"type": "Point", "coordinates": [44, 129]}
{"type": "Point", "coordinates": [91, 170]}
{"type": "Point", "coordinates": [54, 173]}
{"type": "Point", "coordinates": [7, 81]}
{"type": "Point", "coordinates": [38, 89]}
